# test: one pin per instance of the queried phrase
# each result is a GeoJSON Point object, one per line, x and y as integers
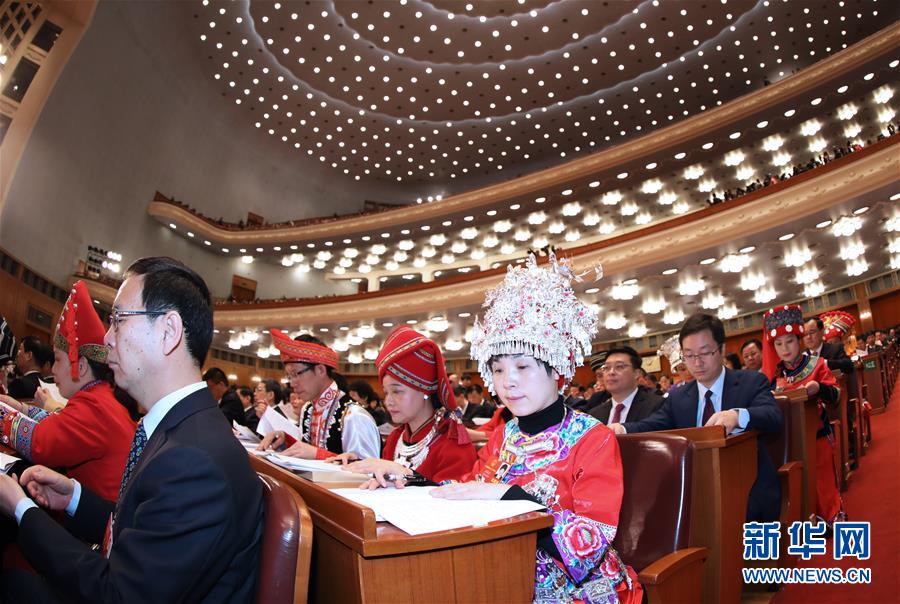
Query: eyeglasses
{"type": "Point", "coordinates": [616, 368]}
{"type": "Point", "coordinates": [291, 376]}
{"type": "Point", "coordinates": [693, 358]}
{"type": "Point", "coordinates": [115, 318]}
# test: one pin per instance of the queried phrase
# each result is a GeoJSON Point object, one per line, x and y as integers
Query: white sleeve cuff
{"type": "Point", "coordinates": [23, 506]}
{"type": "Point", "coordinates": [76, 498]}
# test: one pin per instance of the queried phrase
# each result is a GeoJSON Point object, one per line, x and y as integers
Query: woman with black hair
{"type": "Point", "coordinates": [363, 393]}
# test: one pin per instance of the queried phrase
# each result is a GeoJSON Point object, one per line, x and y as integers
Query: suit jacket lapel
{"type": "Point", "coordinates": [194, 402]}
{"type": "Point", "coordinates": [729, 386]}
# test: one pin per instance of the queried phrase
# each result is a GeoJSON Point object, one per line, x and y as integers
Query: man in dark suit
{"type": "Point", "coordinates": [188, 522]}
{"type": "Point", "coordinates": [833, 352]}
{"type": "Point", "coordinates": [225, 395]}
{"type": "Point", "coordinates": [629, 401]}
{"type": "Point", "coordinates": [31, 358]}
{"type": "Point", "coordinates": [736, 400]}
{"type": "Point", "coordinates": [475, 405]}
{"type": "Point", "coordinates": [600, 395]}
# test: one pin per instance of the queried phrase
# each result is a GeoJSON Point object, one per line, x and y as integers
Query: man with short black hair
{"type": "Point", "coordinates": [751, 355]}
{"type": "Point", "coordinates": [734, 399]}
{"type": "Point", "coordinates": [600, 394]}
{"type": "Point", "coordinates": [474, 404]}
{"type": "Point", "coordinates": [31, 358]}
{"type": "Point", "coordinates": [833, 353]}
{"type": "Point", "coordinates": [225, 395]}
{"type": "Point", "coordinates": [331, 422]}
{"type": "Point", "coordinates": [188, 490]}
{"type": "Point", "coordinates": [629, 401]}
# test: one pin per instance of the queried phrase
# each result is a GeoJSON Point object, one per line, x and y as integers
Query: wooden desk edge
{"type": "Point", "coordinates": [380, 539]}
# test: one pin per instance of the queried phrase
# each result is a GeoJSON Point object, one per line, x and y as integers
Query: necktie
{"type": "Point", "coordinates": [137, 447]}
{"type": "Point", "coordinates": [617, 413]}
{"type": "Point", "coordinates": [708, 408]}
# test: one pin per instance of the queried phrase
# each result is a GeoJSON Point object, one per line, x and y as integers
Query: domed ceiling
{"type": "Point", "coordinates": [444, 93]}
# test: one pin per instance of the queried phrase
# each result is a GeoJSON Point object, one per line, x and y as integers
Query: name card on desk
{"type": "Point", "coordinates": [414, 511]}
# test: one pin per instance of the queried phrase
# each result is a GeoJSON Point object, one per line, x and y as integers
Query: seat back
{"type": "Point", "coordinates": [779, 444]}
{"type": "Point", "coordinates": [656, 505]}
{"type": "Point", "coordinates": [286, 546]}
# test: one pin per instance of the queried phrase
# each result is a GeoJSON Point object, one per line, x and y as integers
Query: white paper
{"type": "Point", "coordinates": [414, 511]}
{"type": "Point", "coordinates": [288, 410]}
{"type": "Point", "coordinates": [54, 392]}
{"type": "Point", "coordinates": [272, 421]}
{"type": "Point", "coordinates": [244, 433]}
{"type": "Point", "coordinates": [6, 462]}
{"type": "Point", "coordinates": [480, 421]}
{"type": "Point", "coordinates": [302, 465]}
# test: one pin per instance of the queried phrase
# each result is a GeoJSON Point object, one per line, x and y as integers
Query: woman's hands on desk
{"type": "Point", "coordinates": [471, 490]}
{"type": "Point", "coordinates": [384, 472]}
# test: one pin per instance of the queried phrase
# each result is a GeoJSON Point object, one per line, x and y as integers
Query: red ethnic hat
{"type": "Point", "coordinates": [293, 351]}
{"type": "Point", "coordinates": [417, 362]}
{"type": "Point", "coordinates": [838, 323]}
{"type": "Point", "coordinates": [779, 321]}
{"type": "Point", "coordinates": [79, 330]}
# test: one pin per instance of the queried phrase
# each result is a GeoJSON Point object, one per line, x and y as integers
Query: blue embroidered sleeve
{"type": "Point", "coordinates": [37, 414]}
{"type": "Point", "coordinates": [16, 431]}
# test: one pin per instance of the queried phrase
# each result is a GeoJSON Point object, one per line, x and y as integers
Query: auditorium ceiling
{"type": "Point", "coordinates": [442, 93]}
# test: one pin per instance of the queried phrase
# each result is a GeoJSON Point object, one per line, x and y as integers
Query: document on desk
{"type": "Point", "coordinates": [272, 420]}
{"type": "Point", "coordinates": [414, 511]}
{"type": "Point", "coordinates": [6, 462]}
{"type": "Point", "coordinates": [244, 433]}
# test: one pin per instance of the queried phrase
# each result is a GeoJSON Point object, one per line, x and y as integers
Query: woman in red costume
{"type": "Point", "coordinates": [91, 436]}
{"type": "Point", "coordinates": [534, 335]}
{"type": "Point", "coordinates": [430, 444]}
{"type": "Point", "coordinates": [790, 368]}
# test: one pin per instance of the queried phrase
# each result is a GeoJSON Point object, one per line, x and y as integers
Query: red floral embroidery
{"type": "Point", "coordinates": [584, 538]}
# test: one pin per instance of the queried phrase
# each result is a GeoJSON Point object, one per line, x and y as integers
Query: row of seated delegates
{"type": "Point", "coordinates": [89, 437]}
{"type": "Point", "coordinates": [330, 421]}
{"type": "Point", "coordinates": [737, 400]}
{"type": "Point", "coordinates": [33, 362]}
{"type": "Point", "coordinates": [187, 488]}
{"type": "Point", "coordinates": [527, 351]}
{"type": "Point", "coordinates": [789, 367]}
{"type": "Point", "coordinates": [7, 354]}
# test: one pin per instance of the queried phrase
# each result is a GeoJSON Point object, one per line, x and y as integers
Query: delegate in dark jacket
{"type": "Point", "coordinates": [741, 390]}
{"type": "Point", "coordinates": [643, 405]}
{"type": "Point", "coordinates": [187, 528]}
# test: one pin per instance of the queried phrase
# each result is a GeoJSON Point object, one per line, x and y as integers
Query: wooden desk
{"type": "Point", "coordinates": [805, 422]}
{"type": "Point", "coordinates": [356, 559]}
{"type": "Point", "coordinates": [724, 472]}
{"type": "Point", "coordinates": [869, 369]}
{"type": "Point", "coordinates": [842, 413]}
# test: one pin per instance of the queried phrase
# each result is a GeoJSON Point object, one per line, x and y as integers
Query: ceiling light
{"type": "Point", "coordinates": [857, 267]}
{"type": "Point", "coordinates": [691, 287]}
{"type": "Point", "coordinates": [712, 301]}
{"type": "Point", "coordinates": [813, 289]}
{"type": "Point", "coordinates": [734, 263]}
{"type": "Point", "coordinates": [846, 226]}
{"type": "Point", "coordinates": [469, 233]}
{"type": "Point", "coordinates": [786, 237]}
{"type": "Point", "coordinates": [670, 271]}
{"type": "Point", "coordinates": [653, 306]}
{"type": "Point", "coordinates": [624, 291]}
{"type": "Point", "coordinates": [805, 276]}
{"type": "Point", "coordinates": [764, 295]}
{"type": "Point", "coordinates": [571, 209]}
{"type": "Point", "coordinates": [502, 226]}
{"type": "Point", "coordinates": [752, 281]}
{"type": "Point", "coordinates": [637, 330]}
{"type": "Point", "coordinates": [651, 187]}
{"type": "Point", "coordinates": [673, 317]}
{"type": "Point", "coordinates": [611, 198]}
{"type": "Point", "coordinates": [852, 250]}
{"type": "Point", "coordinates": [615, 321]}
